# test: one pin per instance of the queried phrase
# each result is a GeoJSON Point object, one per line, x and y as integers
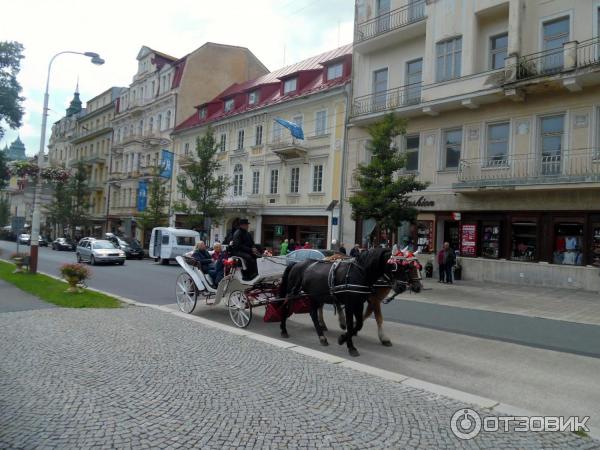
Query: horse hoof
{"type": "Point", "coordinates": [353, 352]}
{"type": "Point", "coordinates": [343, 326]}
{"type": "Point", "coordinates": [324, 342]}
{"type": "Point", "coordinates": [386, 343]}
{"type": "Point", "coordinates": [324, 328]}
{"type": "Point", "coordinates": [342, 339]}
{"type": "Point", "coordinates": [285, 335]}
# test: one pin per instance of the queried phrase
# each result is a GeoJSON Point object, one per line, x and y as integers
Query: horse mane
{"type": "Point", "coordinates": [373, 262]}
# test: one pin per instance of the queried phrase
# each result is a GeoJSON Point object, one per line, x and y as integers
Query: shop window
{"type": "Point", "coordinates": [568, 244]}
{"type": "Point", "coordinates": [524, 241]}
{"type": "Point", "coordinates": [595, 245]}
{"type": "Point", "coordinates": [425, 236]}
{"type": "Point", "coordinates": [490, 241]}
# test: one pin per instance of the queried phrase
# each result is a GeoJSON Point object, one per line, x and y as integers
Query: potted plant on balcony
{"type": "Point", "coordinates": [74, 274]}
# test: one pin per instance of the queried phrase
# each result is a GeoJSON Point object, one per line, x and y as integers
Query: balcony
{"type": "Point", "coordinates": [575, 166]}
{"type": "Point", "coordinates": [574, 65]}
{"type": "Point", "coordinates": [403, 96]}
{"type": "Point", "coordinates": [289, 148]}
{"type": "Point", "coordinates": [396, 26]}
{"type": "Point", "coordinates": [96, 186]}
{"type": "Point", "coordinates": [91, 133]}
{"type": "Point", "coordinates": [94, 159]}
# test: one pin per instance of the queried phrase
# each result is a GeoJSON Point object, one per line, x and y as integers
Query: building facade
{"type": "Point", "coordinates": [287, 187]}
{"type": "Point", "coordinates": [147, 110]}
{"type": "Point", "coordinates": [502, 101]}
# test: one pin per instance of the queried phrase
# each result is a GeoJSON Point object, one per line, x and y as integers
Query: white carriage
{"type": "Point", "coordinates": [239, 295]}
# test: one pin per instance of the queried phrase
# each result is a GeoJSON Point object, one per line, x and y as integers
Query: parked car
{"type": "Point", "coordinates": [97, 251]}
{"type": "Point", "coordinates": [166, 243]}
{"type": "Point", "coordinates": [25, 239]}
{"type": "Point", "coordinates": [131, 247]}
{"type": "Point", "coordinates": [62, 243]}
{"type": "Point", "coordinates": [303, 254]}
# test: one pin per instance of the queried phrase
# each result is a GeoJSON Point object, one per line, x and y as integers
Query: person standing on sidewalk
{"type": "Point", "coordinates": [449, 261]}
{"type": "Point", "coordinates": [283, 248]}
{"type": "Point", "coordinates": [441, 266]}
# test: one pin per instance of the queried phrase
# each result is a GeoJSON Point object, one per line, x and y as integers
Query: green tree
{"type": "Point", "coordinates": [78, 198]}
{"type": "Point", "coordinates": [383, 194]}
{"type": "Point", "coordinates": [4, 212]}
{"type": "Point", "coordinates": [155, 215]}
{"type": "Point", "coordinates": [200, 185]}
{"type": "Point", "coordinates": [58, 211]}
{"type": "Point", "coordinates": [11, 109]}
{"type": "Point", "coordinates": [4, 172]}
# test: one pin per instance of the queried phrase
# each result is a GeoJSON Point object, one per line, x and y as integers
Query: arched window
{"type": "Point", "coordinates": [141, 128]}
{"type": "Point", "coordinates": [159, 122]}
{"type": "Point", "coordinates": [168, 120]}
{"type": "Point", "coordinates": [151, 126]}
{"type": "Point", "coordinates": [238, 180]}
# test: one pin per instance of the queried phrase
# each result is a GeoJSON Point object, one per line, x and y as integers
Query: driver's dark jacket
{"type": "Point", "coordinates": [242, 241]}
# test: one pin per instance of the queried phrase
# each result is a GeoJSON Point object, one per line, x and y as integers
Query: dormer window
{"type": "Point", "coordinates": [253, 98]}
{"type": "Point", "coordinates": [335, 71]}
{"type": "Point", "coordinates": [289, 85]}
{"type": "Point", "coordinates": [228, 105]}
{"type": "Point", "coordinates": [203, 113]}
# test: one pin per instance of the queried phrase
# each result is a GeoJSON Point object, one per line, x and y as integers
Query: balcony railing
{"type": "Point", "coordinates": [568, 166]}
{"type": "Point", "coordinates": [386, 100]}
{"type": "Point", "coordinates": [588, 52]}
{"type": "Point", "coordinates": [411, 13]}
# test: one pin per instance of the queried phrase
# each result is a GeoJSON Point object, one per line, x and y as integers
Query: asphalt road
{"type": "Point", "coordinates": [532, 378]}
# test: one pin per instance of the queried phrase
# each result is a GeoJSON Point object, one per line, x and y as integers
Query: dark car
{"type": "Point", "coordinates": [63, 244]}
{"type": "Point", "coordinates": [25, 239]}
{"type": "Point", "coordinates": [307, 253]}
{"type": "Point", "coordinates": [131, 247]}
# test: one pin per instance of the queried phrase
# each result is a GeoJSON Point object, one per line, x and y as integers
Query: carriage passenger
{"type": "Point", "coordinates": [217, 269]}
{"type": "Point", "coordinates": [202, 256]}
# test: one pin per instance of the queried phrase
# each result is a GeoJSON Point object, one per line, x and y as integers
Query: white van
{"type": "Point", "coordinates": [166, 243]}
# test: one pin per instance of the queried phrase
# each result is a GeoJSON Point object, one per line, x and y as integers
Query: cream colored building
{"type": "Point", "coordinates": [163, 89]}
{"type": "Point", "coordinates": [287, 187]}
{"type": "Point", "coordinates": [502, 100]}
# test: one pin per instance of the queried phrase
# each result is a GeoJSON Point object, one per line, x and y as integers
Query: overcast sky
{"type": "Point", "coordinates": [117, 29]}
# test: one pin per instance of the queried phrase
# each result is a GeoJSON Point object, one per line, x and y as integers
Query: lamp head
{"type": "Point", "coordinates": [95, 58]}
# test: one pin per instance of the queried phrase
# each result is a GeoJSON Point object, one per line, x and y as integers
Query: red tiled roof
{"type": "Point", "coordinates": [313, 68]}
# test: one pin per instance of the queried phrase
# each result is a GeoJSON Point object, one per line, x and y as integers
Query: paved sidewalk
{"type": "Point", "coordinates": [140, 378]}
{"type": "Point", "coordinates": [533, 301]}
{"type": "Point", "coordinates": [14, 299]}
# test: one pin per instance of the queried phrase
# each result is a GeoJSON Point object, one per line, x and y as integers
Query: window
{"type": "Point", "coordinates": [188, 241]}
{"type": "Point", "coordinates": [380, 81]}
{"type": "Point", "coordinates": [153, 88]}
{"type": "Point", "coordinates": [289, 85]}
{"type": "Point", "coordinates": [448, 59]}
{"type": "Point", "coordinates": [294, 180]}
{"type": "Point", "coordinates": [258, 135]}
{"type": "Point", "coordinates": [335, 71]}
{"type": "Point", "coordinates": [151, 124]}
{"type": "Point", "coordinates": [497, 143]}
{"type": "Point", "coordinates": [414, 74]}
{"type": "Point", "coordinates": [168, 120]}
{"type": "Point", "coordinates": [298, 120]}
{"type": "Point", "coordinates": [255, 181]}
{"type": "Point", "coordinates": [498, 50]}
{"type": "Point", "coordinates": [452, 148]}
{"type": "Point", "coordinates": [274, 181]}
{"type": "Point", "coordinates": [552, 129]}
{"type": "Point", "coordinates": [186, 148]}
{"type": "Point", "coordinates": [321, 123]}
{"type": "Point", "coordinates": [253, 98]}
{"type": "Point", "coordinates": [277, 131]}
{"type": "Point", "coordinates": [202, 113]}
{"type": "Point", "coordinates": [140, 127]}
{"type": "Point", "coordinates": [229, 105]}
{"type": "Point", "coordinates": [383, 13]}
{"type": "Point", "coordinates": [223, 144]}
{"type": "Point", "coordinates": [159, 122]}
{"type": "Point", "coordinates": [556, 32]}
{"type": "Point", "coordinates": [568, 244]}
{"type": "Point", "coordinates": [524, 241]}
{"type": "Point", "coordinates": [412, 153]}
{"type": "Point", "coordinates": [240, 144]}
{"type": "Point", "coordinates": [238, 180]}
{"type": "Point", "coordinates": [317, 185]}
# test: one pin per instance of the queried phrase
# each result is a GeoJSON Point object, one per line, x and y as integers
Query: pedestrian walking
{"type": "Point", "coordinates": [283, 248]}
{"type": "Point", "coordinates": [441, 267]}
{"type": "Point", "coordinates": [449, 261]}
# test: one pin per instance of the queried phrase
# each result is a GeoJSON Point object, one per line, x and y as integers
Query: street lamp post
{"type": "Point", "coordinates": [35, 220]}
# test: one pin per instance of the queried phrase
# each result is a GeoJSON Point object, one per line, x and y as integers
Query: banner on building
{"type": "Point", "coordinates": [142, 198]}
{"type": "Point", "coordinates": [166, 164]}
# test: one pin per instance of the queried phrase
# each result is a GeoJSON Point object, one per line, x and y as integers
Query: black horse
{"type": "Point", "coordinates": [346, 283]}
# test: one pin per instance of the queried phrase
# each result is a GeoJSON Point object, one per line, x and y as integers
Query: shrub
{"type": "Point", "coordinates": [77, 272]}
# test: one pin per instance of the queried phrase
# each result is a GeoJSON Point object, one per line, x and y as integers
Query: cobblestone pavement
{"type": "Point", "coordinates": [139, 378]}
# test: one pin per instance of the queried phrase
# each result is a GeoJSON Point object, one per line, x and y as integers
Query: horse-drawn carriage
{"type": "Point", "coordinates": [280, 288]}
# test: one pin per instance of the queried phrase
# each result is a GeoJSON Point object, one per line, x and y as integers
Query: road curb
{"type": "Point", "coordinates": [483, 403]}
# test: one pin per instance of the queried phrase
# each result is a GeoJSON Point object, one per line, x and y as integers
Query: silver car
{"type": "Point", "coordinates": [97, 251]}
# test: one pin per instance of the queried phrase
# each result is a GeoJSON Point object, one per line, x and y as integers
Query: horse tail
{"type": "Point", "coordinates": [283, 287]}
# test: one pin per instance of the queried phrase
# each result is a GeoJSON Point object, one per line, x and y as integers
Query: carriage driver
{"type": "Point", "coordinates": [243, 246]}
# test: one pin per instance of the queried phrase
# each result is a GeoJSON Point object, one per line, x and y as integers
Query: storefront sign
{"type": "Point", "coordinates": [278, 230]}
{"type": "Point", "coordinates": [468, 241]}
{"type": "Point", "coordinates": [422, 202]}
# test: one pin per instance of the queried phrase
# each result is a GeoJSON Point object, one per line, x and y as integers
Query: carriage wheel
{"type": "Point", "coordinates": [239, 309]}
{"type": "Point", "coordinates": [186, 293]}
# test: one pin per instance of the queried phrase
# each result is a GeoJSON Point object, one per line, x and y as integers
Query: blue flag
{"type": "Point", "coordinates": [142, 195]}
{"type": "Point", "coordinates": [294, 128]}
{"type": "Point", "coordinates": [166, 164]}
